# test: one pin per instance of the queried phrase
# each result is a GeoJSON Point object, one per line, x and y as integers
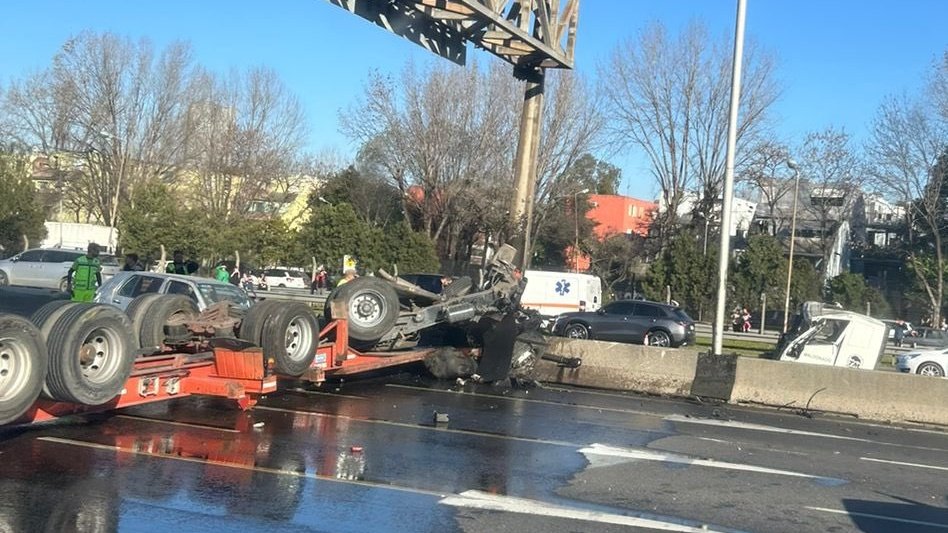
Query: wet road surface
{"type": "Point", "coordinates": [368, 456]}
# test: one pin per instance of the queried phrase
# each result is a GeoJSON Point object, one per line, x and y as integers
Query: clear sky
{"type": "Point", "coordinates": [837, 58]}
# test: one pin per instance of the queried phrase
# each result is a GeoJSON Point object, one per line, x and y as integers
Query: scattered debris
{"type": "Point", "coordinates": [441, 418]}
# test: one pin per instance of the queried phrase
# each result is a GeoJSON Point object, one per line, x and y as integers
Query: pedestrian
{"type": "Point", "coordinates": [221, 274]}
{"type": "Point", "coordinates": [132, 264]}
{"type": "Point", "coordinates": [235, 276]}
{"type": "Point", "coordinates": [899, 333]}
{"type": "Point", "coordinates": [179, 266]}
{"type": "Point", "coordinates": [322, 279]}
{"type": "Point", "coordinates": [746, 318]}
{"type": "Point", "coordinates": [314, 281]}
{"type": "Point", "coordinates": [85, 275]}
{"type": "Point", "coordinates": [347, 276]}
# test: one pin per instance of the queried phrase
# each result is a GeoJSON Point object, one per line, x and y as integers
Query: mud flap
{"type": "Point", "coordinates": [497, 350]}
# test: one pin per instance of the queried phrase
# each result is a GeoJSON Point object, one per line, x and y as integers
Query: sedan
{"type": "Point", "coordinates": [926, 363]}
{"type": "Point", "coordinates": [635, 321]}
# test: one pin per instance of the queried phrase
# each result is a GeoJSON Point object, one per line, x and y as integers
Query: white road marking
{"type": "Point", "coordinates": [474, 499]}
{"type": "Point", "coordinates": [773, 429]}
{"type": "Point", "coordinates": [324, 393]}
{"type": "Point", "coordinates": [274, 471]}
{"type": "Point", "coordinates": [880, 517]}
{"type": "Point", "coordinates": [916, 465]}
{"type": "Point", "coordinates": [650, 455]}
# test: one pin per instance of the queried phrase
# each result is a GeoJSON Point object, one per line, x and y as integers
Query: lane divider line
{"type": "Point", "coordinates": [880, 517]}
{"type": "Point", "coordinates": [649, 455]}
{"type": "Point", "coordinates": [474, 499]}
{"type": "Point", "coordinates": [900, 463]}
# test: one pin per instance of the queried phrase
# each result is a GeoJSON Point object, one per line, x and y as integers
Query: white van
{"type": "Point", "coordinates": [830, 336]}
{"type": "Point", "coordinates": [554, 293]}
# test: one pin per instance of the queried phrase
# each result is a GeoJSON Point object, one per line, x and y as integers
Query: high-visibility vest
{"type": "Point", "coordinates": [84, 270]}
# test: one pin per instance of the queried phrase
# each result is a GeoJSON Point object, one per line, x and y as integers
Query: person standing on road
{"type": "Point", "coordinates": [221, 274]}
{"type": "Point", "coordinates": [85, 275]}
{"type": "Point", "coordinates": [132, 264]}
{"type": "Point", "coordinates": [899, 333]}
{"type": "Point", "coordinates": [180, 266]}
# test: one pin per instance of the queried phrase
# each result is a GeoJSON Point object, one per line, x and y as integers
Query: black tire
{"type": "Point", "coordinates": [290, 338]}
{"type": "Point", "coordinates": [136, 311]}
{"type": "Point", "coordinates": [251, 326]}
{"type": "Point", "coordinates": [658, 337]}
{"type": "Point", "coordinates": [23, 363]}
{"type": "Point", "coordinates": [930, 369]}
{"type": "Point", "coordinates": [91, 353]}
{"type": "Point", "coordinates": [4, 279]}
{"type": "Point", "coordinates": [371, 305]}
{"type": "Point", "coordinates": [49, 313]}
{"type": "Point", "coordinates": [576, 331]}
{"type": "Point", "coordinates": [157, 314]}
{"type": "Point", "coordinates": [64, 285]}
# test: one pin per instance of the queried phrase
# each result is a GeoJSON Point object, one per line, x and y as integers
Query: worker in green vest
{"type": "Point", "coordinates": [85, 275]}
{"type": "Point", "coordinates": [221, 274]}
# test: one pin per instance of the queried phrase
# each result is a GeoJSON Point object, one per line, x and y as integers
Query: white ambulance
{"type": "Point", "coordinates": [554, 293]}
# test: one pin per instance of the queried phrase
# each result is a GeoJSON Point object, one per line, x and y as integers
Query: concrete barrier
{"type": "Point", "coordinates": [618, 366]}
{"type": "Point", "coordinates": [884, 396]}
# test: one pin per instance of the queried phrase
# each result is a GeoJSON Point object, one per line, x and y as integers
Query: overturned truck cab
{"type": "Point", "coordinates": [827, 335]}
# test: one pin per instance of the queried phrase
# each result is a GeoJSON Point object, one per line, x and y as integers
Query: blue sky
{"type": "Point", "coordinates": [837, 58]}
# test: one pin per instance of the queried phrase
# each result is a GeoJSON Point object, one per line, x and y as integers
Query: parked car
{"type": "Point", "coordinates": [635, 321]}
{"type": "Point", "coordinates": [47, 267]}
{"type": "Point", "coordinates": [891, 325]}
{"type": "Point", "coordinates": [926, 338]}
{"type": "Point", "coordinates": [284, 278]}
{"type": "Point", "coordinates": [927, 362]}
{"type": "Point", "coordinates": [126, 286]}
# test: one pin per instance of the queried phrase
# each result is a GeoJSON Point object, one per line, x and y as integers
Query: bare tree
{"type": "Point", "coordinates": [833, 174]}
{"type": "Point", "coordinates": [909, 140]}
{"type": "Point", "coordinates": [668, 96]}
{"type": "Point", "coordinates": [765, 172]}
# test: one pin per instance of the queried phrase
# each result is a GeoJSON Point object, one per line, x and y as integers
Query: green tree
{"type": "Point", "coordinates": [616, 259]}
{"type": "Point", "coordinates": [159, 219]}
{"type": "Point", "coordinates": [761, 268]}
{"type": "Point", "coordinates": [600, 177]}
{"type": "Point", "coordinates": [410, 250]}
{"type": "Point", "coordinates": [556, 239]}
{"type": "Point", "coordinates": [690, 273]}
{"type": "Point", "coordinates": [334, 231]}
{"type": "Point", "coordinates": [20, 212]}
{"type": "Point", "coordinates": [852, 291]}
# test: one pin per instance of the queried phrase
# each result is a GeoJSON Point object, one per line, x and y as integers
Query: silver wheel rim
{"type": "Point", "coordinates": [99, 356]}
{"type": "Point", "coordinates": [299, 335]}
{"type": "Point", "coordinates": [576, 332]}
{"type": "Point", "coordinates": [367, 309]}
{"type": "Point", "coordinates": [15, 368]}
{"type": "Point", "coordinates": [658, 338]}
{"type": "Point", "coordinates": [929, 370]}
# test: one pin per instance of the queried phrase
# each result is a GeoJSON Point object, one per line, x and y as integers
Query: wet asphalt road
{"type": "Point", "coordinates": [368, 457]}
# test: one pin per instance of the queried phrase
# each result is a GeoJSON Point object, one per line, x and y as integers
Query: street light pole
{"type": "Point", "coordinates": [793, 234]}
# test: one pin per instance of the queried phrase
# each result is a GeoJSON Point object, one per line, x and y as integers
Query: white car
{"type": "Point", "coordinates": [284, 278]}
{"type": "Point", "coordinates": [47, 267]}
{"type": "Point", "coordinates": [926, 363]}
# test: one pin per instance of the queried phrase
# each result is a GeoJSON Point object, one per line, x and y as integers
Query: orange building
{"type": "Point", "coordinates": [620, 214]}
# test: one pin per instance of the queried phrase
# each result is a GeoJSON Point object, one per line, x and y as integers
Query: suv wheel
{"type": "Point", "coordinates": [576, 331]}
{"type": "Point", "coordinates": [658, 337]}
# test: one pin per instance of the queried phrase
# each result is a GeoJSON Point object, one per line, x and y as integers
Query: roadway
{"type": "Point", "coordinates": [367, 456]}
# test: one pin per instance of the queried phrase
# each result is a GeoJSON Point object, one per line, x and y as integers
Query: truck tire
{"type": "Point", "coordinates": [136, 311]}
{"type": "Point", "coordinates": [91, 353]}
{"type": "Point", "coordinates": [371, 306]}
{"type": "Point", "coordinates": [251, 327]}
{"type": "Point", "coordinates": [45, 316]}
{"type": "Point", "coordinates": [290, 338]}
{"type": "Point", "coordinates": [157, 314]}
{"type": "Point", "coordinates": [23, 362]}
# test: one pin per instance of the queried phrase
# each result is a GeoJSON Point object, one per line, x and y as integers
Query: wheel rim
{"type": "Point", "coordinates": [299, 335]}
{"type": "Point", "coordinates": [3, 279]}
{"type": "Point", "coordinates": [367, 309]}
{"type": "Point", "coordinates": [658, 338]}
{"type": "Point", "coordinates": [855, 362]}
{"type": "Point", "coordinates": [15, 368]}
{"type": "Point", "coordinates": [576, 332]}
{"type": "Point", "coordinates": [98, 356]}
{"type": "Point", "coordinates": [929, 370]}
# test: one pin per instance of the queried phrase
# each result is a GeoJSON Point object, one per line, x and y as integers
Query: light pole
{"type": "Point", "coordinates": [793, 233]}
{"type": "Point", "coordinates": [576, 227]}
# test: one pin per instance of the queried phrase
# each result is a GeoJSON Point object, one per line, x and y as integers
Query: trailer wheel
{"type": "Point", "coordinates": [23, 361]}
{"type": "Point", "coordinates": [251, 327]}
{"type": "Point", "coordinates": [371, 306]}
{"type": "Point", "coordinates": [136, 312]}
{"type": "Point", "coordinates": [91, 352]}
{"type": "Point", "coordinates": [290, 337]}
{"type": "Point", "coordinates": [157, 314]}
{"type": "Point", "coordinates": [46, 316]}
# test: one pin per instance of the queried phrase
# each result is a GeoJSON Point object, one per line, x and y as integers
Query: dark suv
{"type": "Point", "coordinates": [635, 321]}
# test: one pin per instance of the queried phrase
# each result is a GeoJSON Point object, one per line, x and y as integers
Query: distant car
{"type": "Point", "coordinates": [47, 268]}
{"type": "Point", "coordinates": [892, 324]}
{"type": "Point", "coordinates": [926, 338]}
{"type": "Point", "coordinates": [126, 286]}
{"type": "Point", "coordinates": [284, 278]}
{"type": "Point", "coordinates": [634, 321]}
{"type": "Point", "coordinates": [927, 363]}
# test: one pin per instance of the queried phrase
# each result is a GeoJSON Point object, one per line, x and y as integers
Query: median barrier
{"type": "Point", "coordinates": [884, 396]}
{"type": "Point", "coordinates": [618, 366]}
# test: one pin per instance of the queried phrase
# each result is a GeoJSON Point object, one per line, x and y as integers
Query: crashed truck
{"type": "Point", "coordinates": [825, 334]}
{"type": "Point", "coordinates": [387, 313]}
